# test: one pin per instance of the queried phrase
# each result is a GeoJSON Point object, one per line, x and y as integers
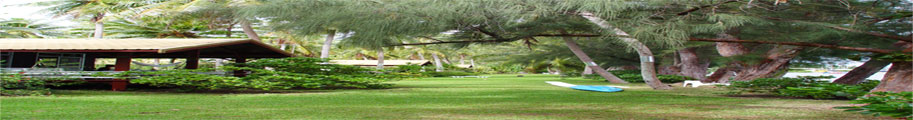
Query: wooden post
{"type": "Point", "coordinates": [240, 73]}
{"type": "Point", "coordinates": [88, 63]}
{"type": "Point", "coordinates": [122, 63]}
{"type": "Point", "coordinates": [193, 60]}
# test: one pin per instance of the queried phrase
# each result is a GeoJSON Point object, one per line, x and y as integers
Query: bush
{"type": "Point", "coordinates": [14, 84]}
{"type": "Point", "coordinates": [770, 85]}
{"type": "Point", "coordinates": [808, 87]}
{"type": "Point", "coordinates": [270, 74]}
{"type": "Point", "coordinates": [898, 105]}
{"type": "Point", "coordinates": [450, 73]}
{"type": "Point", "coordinates": [830, 90]}
{"type": "Point", "coordinates": [634, 76]}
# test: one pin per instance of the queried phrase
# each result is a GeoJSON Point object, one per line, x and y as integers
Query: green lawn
{"type": "Point", "coordinates": [498, 97]}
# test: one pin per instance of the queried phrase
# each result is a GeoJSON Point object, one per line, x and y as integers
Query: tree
{"type": "Point", "coordinates": [23, 28]}
{"type": "Point", "coordinates": [95, 9]}
{"type": "Point", "coordinates": [589, 62]}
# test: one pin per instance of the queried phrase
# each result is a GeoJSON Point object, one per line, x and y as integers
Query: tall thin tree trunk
{"type": "Point", "coordinates": [156, 63]}
{"type": "Point", "coordinates": [691, 65]}
{"type": "Point", "coordinates": [589, 62]}
{"type": "Point", "coordinates": [325, 49]}
{"type": "Point", "coordinates": [99, 26]}
{"type": "Point", "coordinates": [472, 62]}
{"type": "Point", "coordinates": [380, 58]}
{"type": "Point", "coordinates": [647, 70]}
{"type": "Point", "coordinates": [462, 57]}
{"type": "Point", "coordinates": [858, 74]}
{"type": "Point", "coordinates": [420, 56]}
{"type": "Point", "coordinates": [437, 63]}
{"type": "Point", "coordinates": [245, 25]}
{"type": "Point", "coordinates": [228, 30]}
{"type": "Point", "coordinates": [587, 70]}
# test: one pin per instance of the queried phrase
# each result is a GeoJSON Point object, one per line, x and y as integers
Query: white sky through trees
{"type": "Point", "coordinates": [16, 9]}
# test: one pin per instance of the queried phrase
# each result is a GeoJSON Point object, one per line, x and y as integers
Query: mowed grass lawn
{"type": "Point", "coordinates": [498, 97]}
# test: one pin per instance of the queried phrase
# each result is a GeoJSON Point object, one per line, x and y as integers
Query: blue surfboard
{"type": "Point", "coordinates": [597, 88]}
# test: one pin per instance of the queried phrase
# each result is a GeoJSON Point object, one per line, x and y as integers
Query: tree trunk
{"type": "Point", "coordinates": [325, 49]}
{"type": "Point", "coordinates": [421, 56]}
{"type": "Point", "coordinates": [587, 70]}
{"type": "Point", "coordinates": [462, 57]}
{"type": "Point", "coordinates": [647, 70]}
{"type": "Point", "coordinates": [777, 59]}
{"type": "Point", "coordinates": [858, 74]}
{"type": "Point", "coordinates": [589, 62]}
{"type": "Point", "coordinates": [249, 30]}
{"type": "Point", "coordinates": [721, 75]}
{"type": "Point", "coordinates": [228, 30]}
{"type": "Point", "coordinates": [446, 59]}
{"type": "Point", "coordinates": [472, 62]}
{"type": "Point", "coordinates": [898, 78]}
{"type": "Point", "coordinates": [691, 65]}
{"type": "Point", "coordinates": [725, 49]}
{"type": "Point", "coordinates": [99, 26]}
{"type": "Point", "coordinates": [437, 63]}
{"type": "Point", "coordinates": [380, 58]}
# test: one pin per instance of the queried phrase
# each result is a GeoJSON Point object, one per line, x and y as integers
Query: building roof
{"type": "Point", "coordinates": [160, 46]}
{"type": "Point", "coordinates": [386, 62]}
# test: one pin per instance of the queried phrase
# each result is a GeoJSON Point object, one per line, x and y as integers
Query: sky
{"type": "Point", "coordinates": [15, 9]}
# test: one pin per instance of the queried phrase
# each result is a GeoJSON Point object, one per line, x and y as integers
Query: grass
{"type": "Point", "coordinates": [498, 97]}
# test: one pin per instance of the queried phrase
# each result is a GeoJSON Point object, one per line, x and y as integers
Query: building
{"type": "Point", "coordinates": [80, 54]}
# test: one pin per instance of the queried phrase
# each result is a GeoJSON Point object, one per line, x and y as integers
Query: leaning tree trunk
{"type": "Point", "coordinates": [777, 60]}
{"type": "Point", "coordinates": [859, 74]}
{"type": "Point", "coordinates": [380, 58]}
{"type": "Point", "coordinates": [647, 70]}
{"type": "Point", "coordinates": [99, 25]}
{"type": "Point", "coordinates": [325, 49]}
{"type": "Point", "coordinates": [589, 62]}
{"type": "Point", "coordinates": [722, 75]}
{"type": "Point", "coordinates": [420, 56]}
{"type": "Point", "coordinates": [898, 78]}
{"type": "Point", "coordinates": [586, 70]}
{"type": "Point", "coordinates": [691, 65]}
{"type": "Point", "coordinates": [437, 63]}
{"type": "Point", "coordinates": [245, 25]}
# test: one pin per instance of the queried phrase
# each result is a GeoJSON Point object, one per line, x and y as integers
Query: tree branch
{"type": "Point", "coordinates": [702, 7]}
{"type": "Point", "coordinates": [805, 44]}
{"type": "Point", "coordinates": [901, 38]}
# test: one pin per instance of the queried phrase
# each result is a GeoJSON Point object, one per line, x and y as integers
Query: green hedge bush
{"type": "Point", "coordinates": [271, 74]}
{"type": "Point", "coordinates": [806, 87]}
{"type": "Point", "coordinates": [898, 105]}
{"type": "Point", "coordinates": [15, 84]}
{"type": "Point", "coordinates": [450, 73]}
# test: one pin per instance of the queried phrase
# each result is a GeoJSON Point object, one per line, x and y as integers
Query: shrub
{"type": "Point", "coordinates": [898, 105]}
{"type": "Point", "coordinates": [270, 74]}
{"type": "Point", "coordinates": [14, 84]}
{"type": "Point", "coordinates": [769, 85]}
{"type": "Point", "coordinates": [830, 90]}
{"type": "Point", "coordinates": [809, 87]}
{"type": "Point", "coordinates": [634, 76]}
{"type": "Point", "coordinates": [450, 73]}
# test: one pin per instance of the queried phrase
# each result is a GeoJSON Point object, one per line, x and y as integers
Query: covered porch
{"type": "Point", "coordinates": [77, 57]}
